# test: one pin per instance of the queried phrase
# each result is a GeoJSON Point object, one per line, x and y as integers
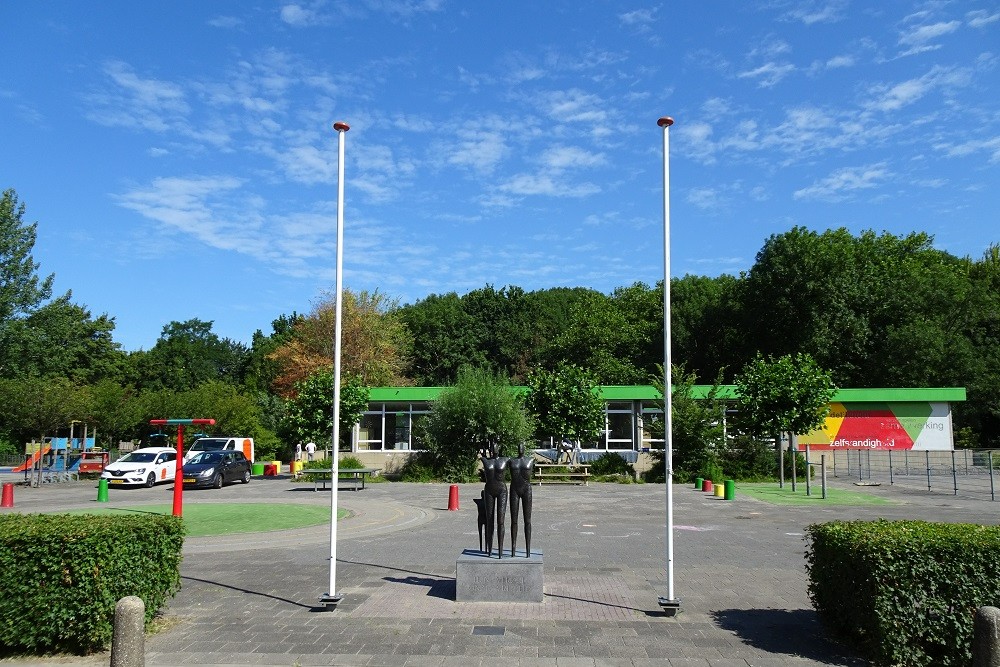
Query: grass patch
{"type": "Point", "coordinates": [770, 493]}
{"type": "Point", "coordinates": [230, 518]}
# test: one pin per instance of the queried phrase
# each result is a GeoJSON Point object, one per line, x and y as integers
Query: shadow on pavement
{"type": "Point", "coordinates": [247, 591]}
{"type": "Point", "coordinates": [795, 632]}
{"type": "Point", "coordinates": [436, 588]}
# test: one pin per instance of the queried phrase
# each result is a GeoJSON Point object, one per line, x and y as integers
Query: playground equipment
{"type": "Point", "coordinates": [58, 459]}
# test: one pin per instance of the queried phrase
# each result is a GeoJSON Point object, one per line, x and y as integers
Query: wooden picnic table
{"type": "Point", "coordinates": [323, 475]}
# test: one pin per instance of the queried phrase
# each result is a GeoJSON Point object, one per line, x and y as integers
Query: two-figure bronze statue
{"type": "Point", "coordinates": [493, 501]}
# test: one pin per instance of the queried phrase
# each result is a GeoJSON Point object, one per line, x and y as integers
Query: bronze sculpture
{"type": "Point", "coordinates": [521, 470]}
{"type": "Point", "coordinates": [495, 498]}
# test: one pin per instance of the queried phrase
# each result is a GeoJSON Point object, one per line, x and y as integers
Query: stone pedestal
{"type": "Point", "coordinates": [482, 579]}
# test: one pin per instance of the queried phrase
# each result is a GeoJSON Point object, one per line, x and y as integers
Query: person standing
{"type": "Point", "coordinates": [310, 450]}
{"type": "Point", "coordinates": [298, 451]}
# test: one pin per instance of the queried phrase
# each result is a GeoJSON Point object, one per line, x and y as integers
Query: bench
{"type": "Point", "coordinates": [353, 474]}
{"type": "Point", "coordinates": [561, 473]}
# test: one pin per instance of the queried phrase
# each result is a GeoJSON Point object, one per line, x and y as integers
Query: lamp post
{"type": "Point", "coordinates": [670, 604]}
{"type": "Point", "coordinates": [331, 598]}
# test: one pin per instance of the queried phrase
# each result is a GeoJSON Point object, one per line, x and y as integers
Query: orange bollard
{"type": "Point", "coordinates": [453, 498]}
{"type": "Point", "coordinates": [8, 495]}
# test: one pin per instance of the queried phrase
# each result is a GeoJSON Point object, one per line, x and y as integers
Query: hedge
{"type": "Point", "coordinates": [63, 574]}
{"type": "Point", "coordinates": [904, 592]}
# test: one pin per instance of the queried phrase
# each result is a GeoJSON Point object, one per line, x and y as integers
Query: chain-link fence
{"type": "Point", "coordinates": [961, 472]}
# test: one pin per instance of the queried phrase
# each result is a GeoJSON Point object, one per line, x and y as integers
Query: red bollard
{"type": "Point", "coordinates": [453, 498]}
{"type": "Point", "coordinates": [8, 495]}
{"type": "Point", "coordinates": [706, 486]}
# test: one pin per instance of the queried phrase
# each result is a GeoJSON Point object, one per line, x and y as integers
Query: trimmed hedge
{"type": "Point", "coordinates": [63, 574]}
{"type": "Point", "coordinates": [904, 592]}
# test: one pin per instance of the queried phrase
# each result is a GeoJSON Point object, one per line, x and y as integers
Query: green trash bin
{"type": "Point", "coordinates": [698, 482]}
{"type": "Point", "coordinates": [102, 490]}
{"type": "Point", "coordinates": [257, 469]}
{"type": "Point", "coordinates": [730, 493]}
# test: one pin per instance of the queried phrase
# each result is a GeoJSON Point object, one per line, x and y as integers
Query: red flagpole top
{"type": "Point", "coordinates": [341, 126]}
{"type": "Point", "coordinates": [666, 121]}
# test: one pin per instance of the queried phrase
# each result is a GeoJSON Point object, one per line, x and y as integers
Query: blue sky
{"type": "Point", "coordinates": [179, 157]}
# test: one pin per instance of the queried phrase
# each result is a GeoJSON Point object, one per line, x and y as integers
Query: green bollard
{"type": "Point", "coordinates": [730, 489]}
{"type": "Point", "coordinates": [102, 491]}
{"type": "Point", "coordinates": [698, 481]}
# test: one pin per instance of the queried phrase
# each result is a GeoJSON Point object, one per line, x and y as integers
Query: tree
{"type": "Point", "coordinates": [444, 339]}
{"type": "Point", "coordinates": [188, 354]}
{"type": "Point", "coordinates": [375, 344]}
{"type": "Point", "coordinates": [565, 403]}
{"type": "Point", "coordinates": [790, 394]}
{"type": "Point", "coordinates": [309, 416]}
{"type": "Point", "coordinates": [61, 339]}
{"type": "Point", "coordinates": [21, 289]}
{"type": "Point", "coordinates": [479, 410]}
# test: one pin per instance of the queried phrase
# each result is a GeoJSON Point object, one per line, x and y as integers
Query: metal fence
{"type": "Point", "coordinates": [961, 472]}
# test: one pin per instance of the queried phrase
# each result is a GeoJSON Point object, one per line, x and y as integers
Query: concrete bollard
{"type": "Point", "coordinates": [128, 644]}
{"type": "Point", "coordinates": [986, 638]}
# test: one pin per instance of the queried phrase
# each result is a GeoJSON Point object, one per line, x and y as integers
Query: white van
{"type": "Point", "coordinates": [208, 444]}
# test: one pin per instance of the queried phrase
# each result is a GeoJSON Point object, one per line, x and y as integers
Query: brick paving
{"type": "Point", "coordinates": [739, 571]}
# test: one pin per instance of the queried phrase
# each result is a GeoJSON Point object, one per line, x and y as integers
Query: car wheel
{"type": "Point", "coordinates": [217, 482]}
{"type": "Point", "coordinates": [150, 480]}
{"type": "Point", "coordinates": [246, 477]}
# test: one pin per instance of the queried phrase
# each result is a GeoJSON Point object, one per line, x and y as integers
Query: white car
{"type": "Point", "coordinates": [145, 466]}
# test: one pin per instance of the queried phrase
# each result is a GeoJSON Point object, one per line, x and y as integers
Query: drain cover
{"type": "Point", "coordinates": [487, 630]}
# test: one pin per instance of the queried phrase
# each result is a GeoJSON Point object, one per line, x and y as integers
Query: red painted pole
{"type": "Point", "coordinates": [179, 473]}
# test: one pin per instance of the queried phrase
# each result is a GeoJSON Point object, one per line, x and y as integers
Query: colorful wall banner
{"type": "Point", "coordinates": [917, 425]}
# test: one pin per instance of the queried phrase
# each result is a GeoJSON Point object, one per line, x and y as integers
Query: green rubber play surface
{"type": "Point", "coordinates": [769, 492]}
{"type": "Point", "coordinates": [201, 519]}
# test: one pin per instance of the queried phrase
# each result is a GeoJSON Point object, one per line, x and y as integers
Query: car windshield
{"type": "Point", "coordinates": [139, 457]}
{"type": "Point", "coordinates": [206, 444]}
{"type": "Point", "coordinates": [207, 457]}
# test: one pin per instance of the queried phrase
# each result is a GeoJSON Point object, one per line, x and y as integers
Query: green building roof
{"type": "Point", "coordinates": [649, 393]}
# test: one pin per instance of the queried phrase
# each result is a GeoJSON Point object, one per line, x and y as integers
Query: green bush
{"type": "Point", "coordinates": [350, 463]}
{"type": "Point", "coordinates": [609, 464]}
{"type": "Point", "coordinates": [64, 574]}
{"type": "Point", "coordinates": [419, 468]}
{"type": "Point", "coordinates": [904, 592]}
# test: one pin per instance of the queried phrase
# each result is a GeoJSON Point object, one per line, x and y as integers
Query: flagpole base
{"type": "Point", "coordinates": [670, 607]}
{"type": "Point", "coordinates": [330, 601]}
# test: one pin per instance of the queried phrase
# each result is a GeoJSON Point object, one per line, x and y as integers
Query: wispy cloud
{"type": "Point", "coordinates": [841, 183]}
{"type": "Point", "coordinates": [824, 11]}
{"type": "Point", "coordinates": [135, 102]}
{"type": "Point", "coordinates": [990, 146]}
{"type": "Point", "coordinates": [226, 22]}
{"type": "Point", "coordinates": [302, 16]}
{"type": "Point", "coordinates": [769, 74]}
{"type": "Point", "coordinates": [892, 97]}
{"type": "Point", "coordinates": [981, 18]}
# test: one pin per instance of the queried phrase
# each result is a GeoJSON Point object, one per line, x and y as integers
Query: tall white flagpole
{"type": "Point", "coordinates": [332, 598]}
{"type": "Point", "coordinates": [670, 604]}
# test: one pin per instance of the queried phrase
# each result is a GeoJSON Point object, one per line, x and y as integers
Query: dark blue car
{"type": "Point", "coordinates": [215, 468]}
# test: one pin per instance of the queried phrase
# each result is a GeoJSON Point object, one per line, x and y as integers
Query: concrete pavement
{"type": "Point", "coordinates": [739, 571]}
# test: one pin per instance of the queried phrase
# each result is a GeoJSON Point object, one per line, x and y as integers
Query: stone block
{"type": "Point", "coordinates": [479, 578]}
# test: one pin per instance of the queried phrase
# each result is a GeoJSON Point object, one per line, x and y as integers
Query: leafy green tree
{"type": "Point", "coordinates": [61, 339]}
{"type": "Point", "coordinates": [565, 403]}
{"type": "Point", "coordinates": [790, 394]}
{"type": "Point", "coordinates": [479, 410]}
{"type": "Point", "coordinates": [35, 407]}
{"type": "Point", "coordinates": [309, 416]}
{"type": "Point", "coordinates": [188, 354]}
{"type": "Point", "coordinates": [21, 289]}
{"type": "Point", "coordinates": [503, 327]}
{"type": "Point", "coordinates": [601, 338]}
{"type": "Point", "coordinates": [696, 428]}
{"type": "Point", "coordinates": [703, 312]}
{"type": "Point", "coordinates": [444, 339]}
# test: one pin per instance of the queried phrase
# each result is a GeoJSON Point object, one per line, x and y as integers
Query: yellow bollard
{"type": "Point", "coordinates": [719, 491]}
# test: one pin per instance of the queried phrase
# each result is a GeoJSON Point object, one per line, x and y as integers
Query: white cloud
{"type": "Point", "coordinates": [896, 96]}
{"type": "Point", "coordinates": [991, 146]}
{"type": "Point", "coordinates": [981, 18]}
{"type": "Point", "coordinates": [840, 61]}
{"type": "Point", "coordinates": [547, 185]}
{"type": "Point", "coordinates": [481, 150]}
{"type": "Point", "coordinates": [920, 35]}
{"type": "Point", "coordinates": [299, 16]}
{"type": "Point", "coordinates": [226, 22]}
{"type": "Point", "coordinates": [769, 74]}
{"type": "Point", "coordinates": [576, 106]}
{"type": "Point", "coordinates": [838, 185]}
{"type": "Point", "coordinates": [568, 157]}
{"type": "Point", "coordinates": [809, 13]}
{"type": "Point", "coordinates": [135, 102]}
{"type": "Point", "coordinates": [639, 18]}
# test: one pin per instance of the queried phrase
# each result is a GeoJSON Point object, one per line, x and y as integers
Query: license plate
{"type": "Point", "coordinates": [118, 481]}
{"type": "Point", "coordinates": [190, 480]}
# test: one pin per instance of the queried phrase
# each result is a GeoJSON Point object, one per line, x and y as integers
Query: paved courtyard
{"type": "Point", "coordinates": [739, 571]}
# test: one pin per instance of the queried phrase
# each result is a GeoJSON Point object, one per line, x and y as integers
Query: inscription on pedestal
{"type": "Point", "coordinates": [482, 579]}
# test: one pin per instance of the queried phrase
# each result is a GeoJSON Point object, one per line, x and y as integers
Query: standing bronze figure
{"type": "Point", "coordinates": [495, 498]}
{"type": "Point", "coordinates": [521, 470]}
